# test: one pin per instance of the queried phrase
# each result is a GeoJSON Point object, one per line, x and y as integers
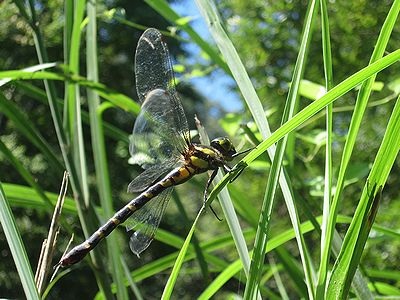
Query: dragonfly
{"type": "Point", "coordinates": [161, 144]}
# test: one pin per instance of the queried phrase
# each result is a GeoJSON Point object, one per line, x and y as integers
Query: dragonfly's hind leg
{"type": "Point", "coordinates": [215, 214]}
{"type": "Point", "coordinates": [210, 179]}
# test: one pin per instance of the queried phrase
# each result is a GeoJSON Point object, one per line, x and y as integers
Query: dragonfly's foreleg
{"type": "Point", "coordinates": [238, 169]}
{"type": "Point", "coordinates": [226, 168]}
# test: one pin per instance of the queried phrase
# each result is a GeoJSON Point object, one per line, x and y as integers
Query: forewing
{"type": "Point", "coordinates": [146, 220]}
{"type": "Point", "coordinates": [153, 68]}
{"type": "Point", "coordinates": [161, 129]}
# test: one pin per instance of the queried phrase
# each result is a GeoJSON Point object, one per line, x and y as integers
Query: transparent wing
{"type": "Point", "coordinates": [153, 68]}
{"type": "Point", "coordinates": [150, 176]}
{"type": "Point", "coordinates": [161, 131]}
{"type": "Point", "coordinates": [157, 134]}
{"type": "Point", "coordinates": [146, 220]}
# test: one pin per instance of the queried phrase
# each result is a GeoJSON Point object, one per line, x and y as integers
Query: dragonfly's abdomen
{"type": "Point", "coordinates": [175, 177]}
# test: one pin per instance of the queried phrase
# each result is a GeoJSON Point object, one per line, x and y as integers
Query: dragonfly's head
{"type": "Point", "coordinates": [225, 147]}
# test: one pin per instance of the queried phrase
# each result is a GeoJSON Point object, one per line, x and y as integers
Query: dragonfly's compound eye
{"type": "Point", "coordinates": [225, 146]}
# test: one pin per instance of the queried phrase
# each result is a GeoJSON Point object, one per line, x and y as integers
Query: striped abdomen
{"type": "Point", "coordinates": [176, 176]}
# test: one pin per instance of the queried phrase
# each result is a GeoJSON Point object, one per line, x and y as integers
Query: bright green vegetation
{"type": "Point", "coordinates": [313, 215]}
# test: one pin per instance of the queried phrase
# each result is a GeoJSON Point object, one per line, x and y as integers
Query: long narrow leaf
{"type": "Point", "coordinates": [306, 113]}
{"type": "Point", "coordinates": [361, 103]}
{"type": "Point", "coordinates": [327, 58]}
{"type": "Point", "coordinates": [265, 216]}
{"type": "Point", "coordinates": [357, 234]}
{"type": "Point", "coordinates": [87, 223]}
{"type": "Point", "coordinates": [17, 248]}
{"type": "Point", "coordinates": [114, 97]}
{"type": "Point", "coordinates": [99, 153]}
{"type": "Point", "coordinates": [27, 197]}
{"type": "Point", "coordinates": [179, 261]}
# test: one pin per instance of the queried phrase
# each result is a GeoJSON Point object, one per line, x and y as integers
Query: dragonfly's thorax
{"type": "Point", "coordinates": [202, 158]}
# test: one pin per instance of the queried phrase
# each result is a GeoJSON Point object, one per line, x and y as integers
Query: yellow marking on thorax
{"type": "Point", "coordinates": [207, 151]}
{"type": "Point", "coordinates": [87, 246]}
{"type": "Point", "coordinates": [198, 162]}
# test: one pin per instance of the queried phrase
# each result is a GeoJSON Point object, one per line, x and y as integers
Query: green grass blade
{"type": "Point", "coordinates": [162, 264]}
{"type": "Point", "coordinates": [221, 279]}
{"type": "Point", "coordinates": [99, 152]}
{"type": "Point", "coordinates": [74, 105]}
{"type": "Point", "coordinates": [134, 288]}
{"type": "Point", "coordinates": [208, 10]}
{"type": "Point", "coordinates": [179, 261]}
{"type": "Point", "coordinates": [327, 59]}
{"type": "Point", "coordinates": [36, 68]}
{"type": "Point", "coordinates": [357, 234]}
{"type": "Point", "coordinates": [332, 95]}
{"type": "Point", "coordinates": [361, 103]}
{"type": "Point", "coordinates": [240, 75]}
{"type": "Point", "coordinates": [265, 216]}
{"type": "Point", "coordinates": [17, 248]}
{"type": "Point", "coordinates": [114, 97]}
{"type": "Point", "coordinates": [229, 211]}
{"type": "Point", "coordinates": [277, 241]}
{"type": "Point", "coordinates": [64, 142]}
{"type": "Point", "coordinates": [236, 266]}
{"type": "Point", "coordinates": [196, 244]}
{"type": "Point", "coordinates": [27, 197]}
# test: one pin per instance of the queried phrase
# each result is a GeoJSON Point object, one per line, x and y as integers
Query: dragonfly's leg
{"type": "Point", "coordinates": [227, 168]}
{"type": "Point", "coordinates": [215, 214]}
{"type": "Point", "coordinates": [214, 173]}
{"type": "Point", "coordinates": [236, 176]}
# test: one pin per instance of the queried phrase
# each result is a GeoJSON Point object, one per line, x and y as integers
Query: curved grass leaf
{"type": "Point", "coordinates": [99, 153]}
{"type": "Point", "coordinates": [306, 113]}
{"type": "Point", "coordinates": [272, 184]}
{"type": "Point", "coordinates": [17, 248]}
{"type": "Point", "coordinates": [114, 97]}
{"type": "Point", "coordinates": [357, 234]}
{"type": "Point", "coordinates": [27, 197]}
{"type": "Point", "coordinates": [361, 104]}
{"type": "Point", "coordinates": [179, 261]}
